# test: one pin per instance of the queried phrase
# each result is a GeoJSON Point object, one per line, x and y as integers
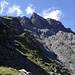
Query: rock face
{"type": "Point", "coordinates": [63, 45]}
{"type": "Point", "coordinates": [8, 54]}
{"type": "Point", "coordinates": [13, 23]}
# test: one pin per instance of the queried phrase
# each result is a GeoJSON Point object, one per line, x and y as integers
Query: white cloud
{"type": "Point", "coordinates": [3, 4]}
{"type": "Point", "coordinates": [15, 9]}
{"type": "Point", "coordinates": [30, 9]}
{"type": "Point", "coordinates": [51, 13]}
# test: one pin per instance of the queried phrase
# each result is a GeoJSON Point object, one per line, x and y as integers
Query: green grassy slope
{"type": "Point", "coordinates": [9, 71]}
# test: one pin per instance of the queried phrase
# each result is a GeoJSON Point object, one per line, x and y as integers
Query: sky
{"type": "Point", "coordinates": [61, 10]}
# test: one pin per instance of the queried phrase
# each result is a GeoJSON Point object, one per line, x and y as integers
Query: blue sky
{"type": "Point", "coordinates": [62, 10]}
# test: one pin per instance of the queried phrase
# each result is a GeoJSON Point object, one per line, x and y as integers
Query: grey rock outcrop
{"type": "Point", "coordinates": [13, 23]}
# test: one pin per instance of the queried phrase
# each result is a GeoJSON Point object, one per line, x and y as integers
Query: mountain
{"type": "Point", "coordinates": [51, 34]}
{"type": "Point", "coordinates": [37, 45]}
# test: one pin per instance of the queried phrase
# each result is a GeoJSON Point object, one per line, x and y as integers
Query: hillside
{"type": "Point", "coordinates": [40, 46]}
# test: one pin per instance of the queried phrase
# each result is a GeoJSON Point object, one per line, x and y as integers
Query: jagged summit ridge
{"type": "Point", "coordinates": [37, 23]}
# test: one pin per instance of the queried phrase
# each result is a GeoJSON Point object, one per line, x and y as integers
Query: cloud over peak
{"type": "Point", "coordinates": [51, 13]}
{"type": "Point", "coordinates": [3, 4]}
{"type": "Point", "coordinates": [15, 9]}
{"type": "Point", "coordinates": [30, 9]}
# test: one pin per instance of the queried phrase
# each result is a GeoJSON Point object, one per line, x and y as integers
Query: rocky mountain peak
{"type": "Point", "coordinates": [26, 23]}
{"type": "Point", "coordinates": [34, 14]}
{"type": "Point", "coordinates": [39, 21]}
{"type": "Point", "coordinates": [25, 20]}
{"type": "Point", "coordinates": [58, 26]}
{"type": "Point", "coordinates": [53, 22]}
